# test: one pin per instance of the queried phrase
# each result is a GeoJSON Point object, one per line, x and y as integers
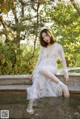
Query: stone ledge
{"type": "Point", "coordinates": [28, 76]}
{"type": "Point", "coordinates": [21, 82]}
{"type": "Point", "coordinates": [72, 89]}
{"type": "Point", "coordinates": [15, 76]}
{"type": "Point", "coordinates": [26, 79]}
{"type": "Point", "coordinates": [13, 87]}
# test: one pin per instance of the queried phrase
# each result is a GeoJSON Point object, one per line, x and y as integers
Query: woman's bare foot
{"type": "Point", "coordinates": [30, 110]}
{"type": "Point", "coordinates": [65, 90]}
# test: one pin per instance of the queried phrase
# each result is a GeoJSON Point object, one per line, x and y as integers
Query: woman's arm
{"type": "Point", "coordinates": [63, 60]}
{"type": "Point", "coordinates": [39, 60]}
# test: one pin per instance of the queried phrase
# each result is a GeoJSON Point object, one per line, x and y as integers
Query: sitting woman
{"type": "Point", "coordinates": [45, 82]}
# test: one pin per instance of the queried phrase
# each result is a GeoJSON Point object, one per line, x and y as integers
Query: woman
{"type": "Point", "coordinates": [45, 82]}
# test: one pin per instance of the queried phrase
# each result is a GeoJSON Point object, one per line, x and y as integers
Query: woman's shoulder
{"type": "Point", "coordinates": [58, 45]}
{"type": "Point", "coordinates": [41, 47]}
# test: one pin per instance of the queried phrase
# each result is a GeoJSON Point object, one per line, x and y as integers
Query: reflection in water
{"type": "Point", "coordinates": [45, 108]}
{"type": "Point", "coordinates": [57, 108]}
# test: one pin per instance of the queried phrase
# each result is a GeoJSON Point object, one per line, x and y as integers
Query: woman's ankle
{"type": "Point", "coordinates": [64, 90]}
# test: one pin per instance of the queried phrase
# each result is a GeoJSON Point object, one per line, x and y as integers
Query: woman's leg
{"type": "Point", "coordinates": [50, 75]}
{"type": "Point", "coordinates": [30, 106]}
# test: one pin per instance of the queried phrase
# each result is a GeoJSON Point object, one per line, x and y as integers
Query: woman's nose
{"type": "Point", "coordinates": [45, 38]}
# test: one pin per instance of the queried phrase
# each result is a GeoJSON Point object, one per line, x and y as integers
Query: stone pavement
{"type": "Point", "coordinates": [45, 108]}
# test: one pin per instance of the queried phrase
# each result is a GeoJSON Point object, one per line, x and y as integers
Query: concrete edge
{"type": "Point", "coordinates": [22, 88]}
{"type": "Point", "coordinates": [28, 76]}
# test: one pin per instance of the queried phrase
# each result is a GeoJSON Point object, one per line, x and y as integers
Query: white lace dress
{"type": "Point", "coordinates": [42, 86]}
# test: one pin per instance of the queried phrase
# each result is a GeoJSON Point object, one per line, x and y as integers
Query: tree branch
{"type": "Point", "coordinates": [75, 6]}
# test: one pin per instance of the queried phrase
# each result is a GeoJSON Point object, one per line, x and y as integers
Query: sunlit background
{"type": "Point", "coordinates": [20, 24]}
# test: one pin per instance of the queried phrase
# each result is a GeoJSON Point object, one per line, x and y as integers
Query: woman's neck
{"type": "Point", "coordinates": [49, 44]}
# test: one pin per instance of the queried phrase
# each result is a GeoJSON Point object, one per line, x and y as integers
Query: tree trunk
{"type": "Point", "coordinates": [37, 25]}
{"type": "Point", "coordinates": [75, 6]}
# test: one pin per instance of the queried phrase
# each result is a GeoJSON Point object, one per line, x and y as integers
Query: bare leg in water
{"type": "Point", "coordinates": [55, 79]}
{"type": "Point", "coordinates": [30, 106]}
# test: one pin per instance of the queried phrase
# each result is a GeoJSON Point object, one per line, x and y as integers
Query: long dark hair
{"type": "Point", "coordinates": [42, 42]}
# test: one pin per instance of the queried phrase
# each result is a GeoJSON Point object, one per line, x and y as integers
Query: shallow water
{"type": "Point", "coordinates": [45, 108]}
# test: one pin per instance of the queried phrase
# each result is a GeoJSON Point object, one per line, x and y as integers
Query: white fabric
{"type": "Point", "coordinates": [43, 87]}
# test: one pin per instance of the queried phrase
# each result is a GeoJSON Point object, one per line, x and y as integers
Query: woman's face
{"type": "Point", "coordinates": [46, 37]}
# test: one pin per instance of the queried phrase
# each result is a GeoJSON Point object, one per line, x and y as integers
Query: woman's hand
{"type": "Point", "coordinates": [66, 76]}
{"type": "Point", "coordinates": [30, 77]}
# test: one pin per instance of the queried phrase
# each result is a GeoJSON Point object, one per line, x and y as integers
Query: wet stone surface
{"type": "Point", "coordinates": [45, 108]}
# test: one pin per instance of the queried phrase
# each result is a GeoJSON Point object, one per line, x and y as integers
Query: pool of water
{"type": "Point", "coordinates": [45, 108]}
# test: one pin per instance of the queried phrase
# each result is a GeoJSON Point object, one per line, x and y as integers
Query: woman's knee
{"type": "Point", "coordinates": [43, 71]}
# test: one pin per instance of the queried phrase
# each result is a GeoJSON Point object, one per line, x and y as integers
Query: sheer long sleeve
{"type": "Point", "coordinates": [39, 59]}
{"type": "Point", "coordinates": [63, 60]}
